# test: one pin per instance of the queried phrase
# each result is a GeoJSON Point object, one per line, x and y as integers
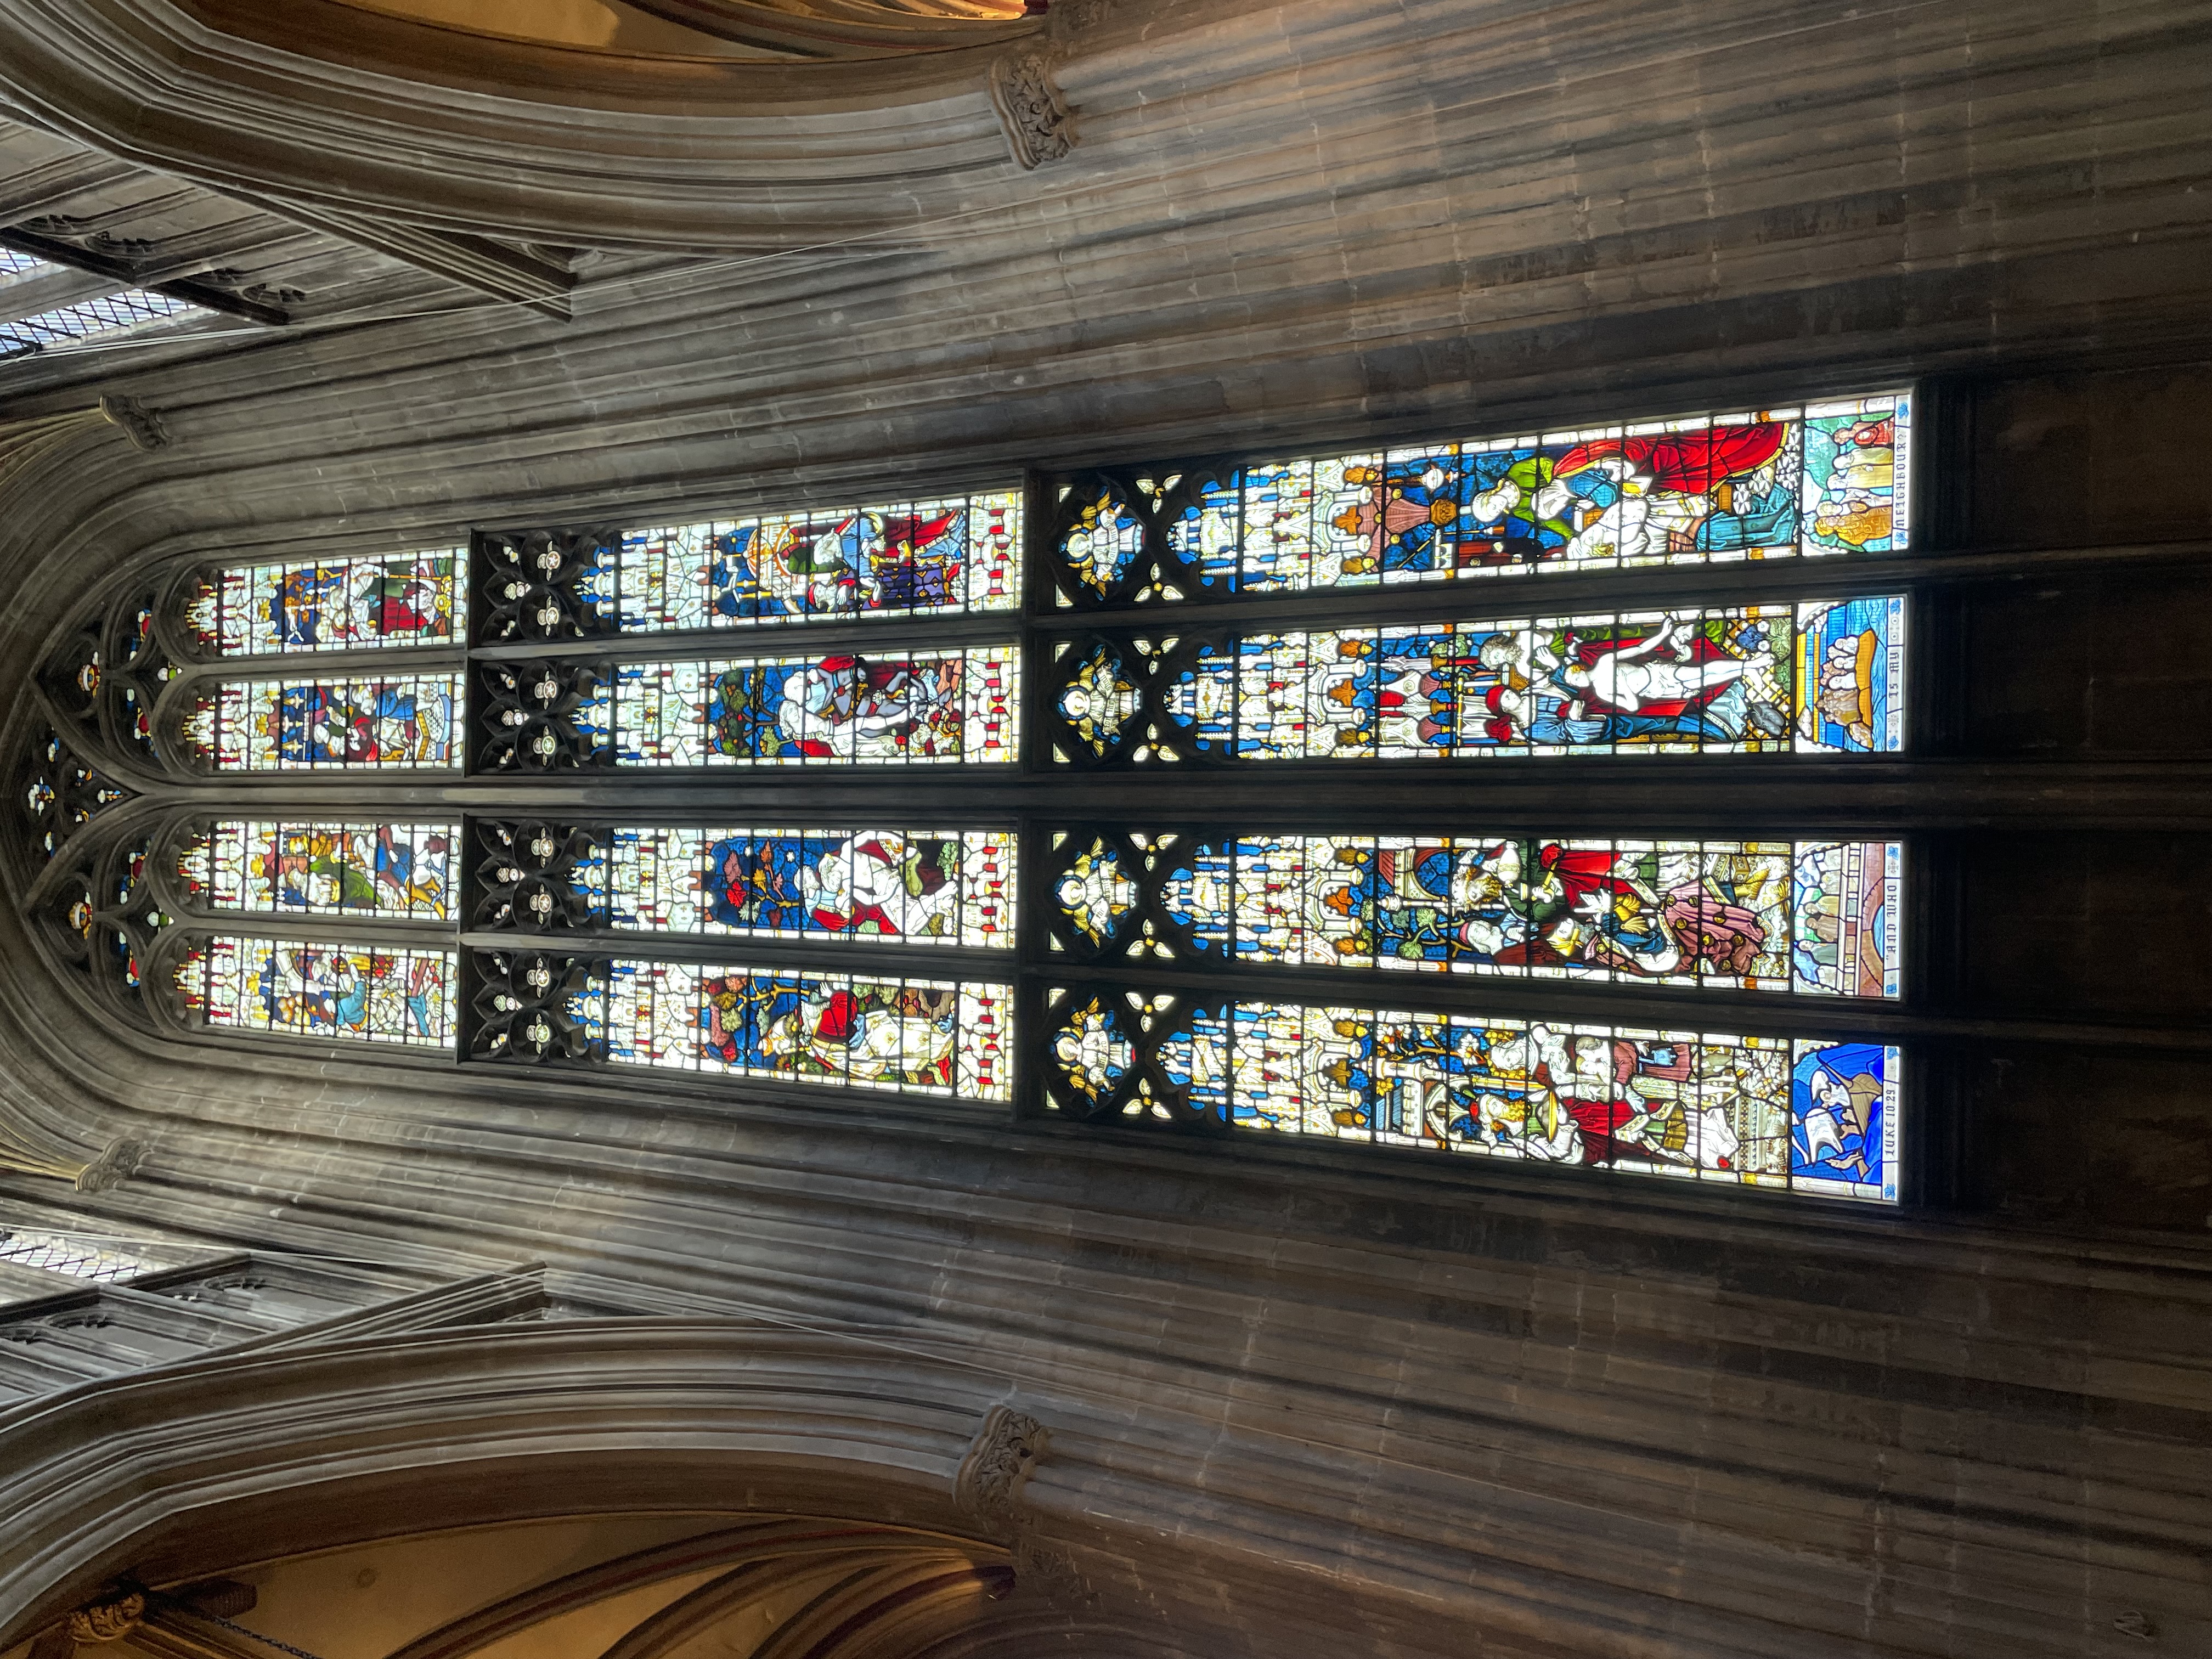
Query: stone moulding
{"type": "Point", "coordinates": [504, 141]}
{"type": "Point", "coordinates": [1034, 117]}
{"type": "Point", "coordinates": [23, 1153]}
{"type": "Point", "coordinates": [26, 443]}
{"type": "Point", "coordinates": [1075, 17]}
{"type": "Point", "coordinates": [840, 29]}
{"type": "Point", "coordinates": [788, 1417]}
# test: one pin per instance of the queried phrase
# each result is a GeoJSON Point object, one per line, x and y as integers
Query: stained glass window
{"type": "Point", "coordinates": [13, 264]}
{"type": "Point", "coordinates": [1823, 478]}
{"type": "Point", "coordinates": [926, 1036]}
{"type": "Point", "coordinates": [381, 721]}
{"type": "Point", "coordinates": [1535, 960]}
{"type": "Point", "coordinates": [902, 708]}
{"type": "Point", "coordinates": [323, 868]}
{"type": "Point", "coordinates": [931, 557]}
{"type": "Point", "coordinates": [332, 605]}
{"type": "Point", "coordinates": [1808, 1115]}
{"type": "Point", "coordinates": [1819, 676]}
{"type": "Point", "coordinates": [1811, 917]}
{"type": "Point", "coordinates": [297, 988]}
{"type": "Point", "coordinates": [950, 887]}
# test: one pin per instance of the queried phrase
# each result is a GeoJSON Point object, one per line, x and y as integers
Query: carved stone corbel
{"type": "Point", "coordinates": [115, 1163]}
{"type": "Point", "coordinates": [1034, 117]}
{"type": "Point", "coordinates": [997, 1464]}
{"type": "Point", "coordinates": [988, 1486]}
{"type": "Point", "coordinates": [109, 1620]}
{"type": "Point", "coordinates": [140, 424]}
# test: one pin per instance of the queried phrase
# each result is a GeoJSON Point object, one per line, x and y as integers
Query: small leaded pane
{"type": "Point", "coordinates": [332, 605]}
{"type": "Point", "coordinates": [106, 315]}
{"type": "Point", "coordinates": [323, 868]}
{"type": "Point", "coordinates": [1825, 478]}
{"type": "Point", "coordinates": [907, 709]}
{"type": "Point", "coordinates": [290, 988]}
{"type": "Point", "coordinates": [1806, 1115]}
{"type": "Point", "coordinates": [61, 1252]}
{"type": "Point", "coordinates": [926, 1035]}
{"type": "Point", "coordinates": [937, 887]}
{"type": "Point", "coordinates": [279, 725]}
{"type": "Point", "coordinates": [1826, 677]}
{"type": "Point", "coordinates": [936, 557]}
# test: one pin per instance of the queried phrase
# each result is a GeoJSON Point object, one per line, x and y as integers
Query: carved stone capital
{"type": "Point", "coordinates": [1034, 117]}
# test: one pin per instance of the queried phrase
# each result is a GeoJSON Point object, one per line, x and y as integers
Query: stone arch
{"type": "Point", "coordinates": [805, 1460]}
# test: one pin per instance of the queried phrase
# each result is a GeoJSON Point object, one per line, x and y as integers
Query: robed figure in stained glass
{"type": "Point", "coordinates": [357, 723]}
{"type": "Point", "coordinates": [396, 602]}
{"type": "Point", "coordinates": [880, 882]}
{"type": "Point", "coordinates": [790, 568]}
{"type": "Point", "coordinates": [303, 600]}
{"type": "Point", "coordinates": [1679, 679]}
{"type": "Point", "coordinates": [330, 993]}
{"type": "Point", "coordinates": [838, 707]}
{"type": "Point", "coordinates": [361, 602]}
{"type": "Point", "coordinates": [1721, 490]}
{"type": "Point", "coordinates": [1850, 481]}
{"type": "Point", "coordinates": [926, 559]}
{"type": "Point", "coordinates": [1715, 489]}
{"type": "Point", "coordinates": [797, 1024]}
{"type": "Point", "coordinates": [851, 562]}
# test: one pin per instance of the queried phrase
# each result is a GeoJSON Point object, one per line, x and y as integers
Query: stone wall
{"type": "Point", "coordinates": [1305, 1402]}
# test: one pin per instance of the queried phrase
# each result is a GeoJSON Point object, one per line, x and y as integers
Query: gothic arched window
{"type": "Point", "coordinates": [1357, 798]}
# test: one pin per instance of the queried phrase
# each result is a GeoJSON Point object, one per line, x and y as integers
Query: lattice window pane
{"type": "Point", "coordinates": [107, 314]}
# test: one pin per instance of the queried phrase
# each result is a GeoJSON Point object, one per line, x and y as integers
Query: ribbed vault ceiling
{"type": "Point", "coordinates": [767, 29]}
{"type": "Point", "coordinates": [701, 1586]}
